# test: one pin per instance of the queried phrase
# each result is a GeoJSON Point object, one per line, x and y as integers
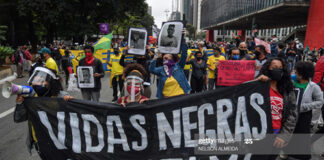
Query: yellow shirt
{"type": "Point", "coordinates": [212, 63]}
{"type": "Point", "coordinates": [116, 68]}
{"type": "Point", "coordinates": [51, 64]}
{"type": "Point", "coordinates": [172, 88]}
{"type": "Point", "coordinates": [188, 66]}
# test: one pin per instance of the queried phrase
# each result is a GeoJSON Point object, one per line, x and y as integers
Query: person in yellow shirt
{"type": "Point", "coordinates": [49, 61]}
{"type": "Point", "coordinates": [187, 67]}
{"type": "Point", "coordinates": [116, 72]}
{"type": "Point", "coordinates": [212, 64]}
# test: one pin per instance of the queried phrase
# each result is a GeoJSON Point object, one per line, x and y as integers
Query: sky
{"type": "Point", "coordinates": [158, 8]}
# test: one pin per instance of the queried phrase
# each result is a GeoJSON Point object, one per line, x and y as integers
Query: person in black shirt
{"type": "Point", "coordinates": [199, 72]}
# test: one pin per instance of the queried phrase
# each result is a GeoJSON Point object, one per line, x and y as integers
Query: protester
{"type": "Point", "coordinates": [17, 59]}
{"type": "Point", "coordinates": [282, 50]}
{"type": "Point", "coordinates": [212, 64]}
{"type": "Point", "coordinates": [144, 61]}
{"type": "Point", "coordinates": [234, 54]}
{"type": "Point", "coordinates": [243, 49]}
{"type": "Point", "coordinates": [312, 99]}
{"type": "Point", "coordinates": [199, 72]}
{"type": "Point", "coordinates": [134, 76]}
{"type": "Point", "coordinates": [318, 78]}
{"type": "Point", "coordinates": [92, 94]}
{"type": "Point", "coordinates": [250, 44]}
{"type": "Point", "coordinates": [203, 50]}
{"type": "Point", "coordinates": [27, 58]}
{"type": "Point", "coordinates": [172, 81]}
{"type": "Point", "coordinates": [237, 39]}
{"type": "Point", "coordinates": [49, 61]}
{"type": "Point", "coordinates": [38, 63]}
{"type": "Point", "coordinates": [116, 72]}
{"type": "Point", "coordinates": [291, 55]}
{"type": "Point", "coordinates": [187, 67]}
{"type": "Point", "coordinates": [66, 65]}
{"type": "Point", "coordinates": [273, 46]}
{"type": "Point", "coordinates": [283, 102]}
{"type": "Point", "coordinates": [260, 58]}
{"type": "Point", "coordinates": [57, 57]}
{"type": "Point", "coordinates": [45, 83]}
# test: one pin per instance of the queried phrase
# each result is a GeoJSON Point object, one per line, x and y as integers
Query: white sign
{"type": "Point", "coordinates": [170, 37]}
{"type": "Point", "coordinates": [137, 39]}
{"type": "Point", "coordinates": [85, 77]}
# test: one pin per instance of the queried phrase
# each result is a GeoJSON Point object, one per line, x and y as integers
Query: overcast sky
{"type": "Point", "coordinates": [158, 8]}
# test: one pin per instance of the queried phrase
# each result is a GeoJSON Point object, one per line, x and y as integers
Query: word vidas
{"type": "Point", "coordinates": [174, 128]}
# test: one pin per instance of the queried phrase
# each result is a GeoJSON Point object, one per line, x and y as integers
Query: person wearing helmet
{"type": "Point", "coordinates": [45, 83]}
{"type": "Point", "coordinates": [134, 77]}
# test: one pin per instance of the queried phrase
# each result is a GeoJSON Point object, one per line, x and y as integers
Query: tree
{"type": "Point", "coordinates": [202, 35]}
{"type": "Point", "coordinates": [76, 18]}
{"type": "Point", "coordinates": [3, 31]}
{"type": "Point", "coordinates": [192, 31]}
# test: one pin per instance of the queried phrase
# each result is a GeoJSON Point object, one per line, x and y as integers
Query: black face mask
{"type": "Point", "coordinates": [198, 58]}
{"type": "Point", "coordinates": [276, 74]}
{"type": "Point", "coordinates": [40, 90]}
{"type": "Point", "coordinates": [116, 52]}
{"type": "Point", "coordinates": [256, 53]}
{"type": "Point", "coordinates": [242, 52]}
{"type": "Point", "coordinates": [39, 61]}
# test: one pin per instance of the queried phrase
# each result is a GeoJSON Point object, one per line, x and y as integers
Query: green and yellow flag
{"type": "Point", "coordinates": [103, 43]}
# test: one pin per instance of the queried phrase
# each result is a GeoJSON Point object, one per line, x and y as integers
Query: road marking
{"type": "Point", "coordinates": [9, 111]}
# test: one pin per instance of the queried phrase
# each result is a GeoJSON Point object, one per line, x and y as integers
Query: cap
{"type": "Point", "coordinates": [45, 50]}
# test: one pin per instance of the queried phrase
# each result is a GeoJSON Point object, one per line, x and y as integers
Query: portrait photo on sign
{"type": "Point", "coordinates": [85, 77]}
{"type": "Point", "coordinates": [170, 37]}
{"type": "Point", "coordinates": [137, 38]}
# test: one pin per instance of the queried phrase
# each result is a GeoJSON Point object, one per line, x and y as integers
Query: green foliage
{"type": "Point", "coordinates": [3, 31]}
{"type": "Point", "coordinates": [192, 31]}
{"type": "Point", "coordinates": [4, 52]}
{"type": "Point", "coordinates": [76, 18]}
{"type": "Point", "coordinates": [202, 35]}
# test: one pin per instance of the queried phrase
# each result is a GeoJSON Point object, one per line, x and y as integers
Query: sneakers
{"type": "Point", "coordinates": [115, 99]}
{"type": "Point", "coordinates": [283, 156]}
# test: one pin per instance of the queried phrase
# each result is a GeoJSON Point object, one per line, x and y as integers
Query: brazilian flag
{"type": "Point", "coordinates": [103, 43]}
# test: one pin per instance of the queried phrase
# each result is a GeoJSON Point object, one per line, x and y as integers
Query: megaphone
{"type": "Point", "coordinates": [9, 89]}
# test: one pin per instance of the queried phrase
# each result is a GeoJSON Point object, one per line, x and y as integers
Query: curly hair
{"type": "Point", "coordinates": [285, 85]}
{"type": "Point", "coordinates": [134, 66]}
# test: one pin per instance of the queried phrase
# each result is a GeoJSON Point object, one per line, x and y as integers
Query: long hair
{"type": "Point", "coordinates": [56, 85]}
{"type": "Point", "coordinates": [285, 85]}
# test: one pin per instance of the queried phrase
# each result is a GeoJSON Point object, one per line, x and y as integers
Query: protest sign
{"type": "Point", "coordinates": [265, 44]}
{"type": "Point", "coordinates": [157, 129]}
{"type": "Point", "coordinates": [233, 72]}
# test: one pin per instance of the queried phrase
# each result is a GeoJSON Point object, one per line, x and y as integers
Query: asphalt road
{"type": "Point", "coordinates": [13, 135]}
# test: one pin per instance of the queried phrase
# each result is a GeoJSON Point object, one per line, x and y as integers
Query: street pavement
{"type": "Point", "coordinates": [13, 135]}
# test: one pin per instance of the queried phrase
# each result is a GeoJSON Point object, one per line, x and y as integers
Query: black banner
{"type": "Point", "coordinates": [157, 129]}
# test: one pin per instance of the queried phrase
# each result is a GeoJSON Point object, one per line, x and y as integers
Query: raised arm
{"type": "Point", "coordinates": [183, 58]}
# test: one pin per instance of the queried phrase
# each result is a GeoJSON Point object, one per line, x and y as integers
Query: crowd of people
{"type": "Point", "coordinates": [187, 73]}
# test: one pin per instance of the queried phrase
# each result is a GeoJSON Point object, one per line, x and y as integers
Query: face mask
{"type": "Point", "coordinates": [236, 57]}
{"type": "Point", "coordinates": [243, 52]}
{"type": "Point", "coordinates": [137, 89]}
{"type": "Point", "coordinates": [276, 74]}
{"type": "Point", "coordinates": [40, 90]}
{"type": "Point", "coordinates": [294, 77]}
{"type": "Point", "coordinates": [198, 58]}
{"type": "Point", "coordinates": [168, 65]}
{"type": "Point", "coordinates": [39, 60]}
{"type": "Point", "coordinates": [116, 52]}
{"type": "Point", "coordinates": [88, 55]}
{"type": "Point", "coordinates": [256, 53]}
